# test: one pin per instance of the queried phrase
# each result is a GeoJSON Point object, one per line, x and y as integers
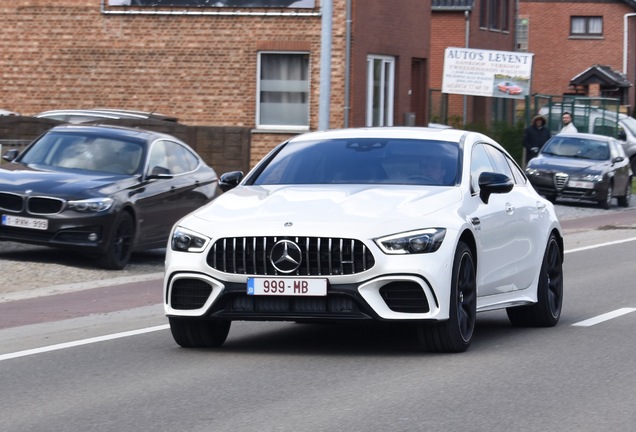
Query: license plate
{"type": "Point", "coordinates": [581, 184]}
{"type": "Point", "coordinates": [24, 222]}
{"type": "Point", "coordinates": [274, 286]}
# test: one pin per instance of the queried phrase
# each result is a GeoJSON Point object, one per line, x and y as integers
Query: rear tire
{"type": "Point", "coordinates": [455, 334]}
{"type": "Point", "coordinates": [547, 311]}
{"type": "Point", "coordinates": [199, 333]}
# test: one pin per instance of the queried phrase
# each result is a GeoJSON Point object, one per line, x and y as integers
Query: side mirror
{"type": "Point", "coordinates": [618, 159]}
{"type": "Point", "coordinates": [622, 135]}
{"type": "Point", "coordinates": [159, 172]}
{"type": "Point", "coordinates": [230, 180]}
{"type": "Point", "coordinates": [490, 183]}
{"type": "Point", "coordinates": [11, 155]}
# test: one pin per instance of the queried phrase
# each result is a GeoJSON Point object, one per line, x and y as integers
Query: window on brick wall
{"type": "Point", "coordinates": [283, 90]}
{"type": "Point", "coordinates": [494, 14]}
{"type": "Point", "coordinates": [586, 26]}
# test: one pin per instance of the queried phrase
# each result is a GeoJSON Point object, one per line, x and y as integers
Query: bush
{"type": "Point", "coordinates": [510, 136]}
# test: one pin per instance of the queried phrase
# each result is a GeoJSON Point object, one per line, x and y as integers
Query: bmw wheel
{"type": "Point", "coordinates": [199, 333]}
{"type": "Point", "coordinates": [547, 311]}
{"type": "Point", "coordinates": [120, 246]}
{"type": "Point", "coordinates": [455, 334]}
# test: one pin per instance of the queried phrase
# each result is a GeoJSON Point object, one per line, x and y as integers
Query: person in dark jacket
{"type": "Point", "coordinates": [534, 136]}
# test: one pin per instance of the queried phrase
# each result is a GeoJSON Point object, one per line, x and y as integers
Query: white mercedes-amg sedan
{"type": "Point", "coordinates": [416, 226]}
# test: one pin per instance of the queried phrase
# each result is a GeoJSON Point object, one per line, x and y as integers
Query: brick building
{"type": "Point", "coordinates": [575, 42]}
{"type": "Point", "coordinates": [245, 66]}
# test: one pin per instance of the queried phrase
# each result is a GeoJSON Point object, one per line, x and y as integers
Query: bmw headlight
{"type": "Point", "coordinates": [413, 242]}
{"type": "Point", "coordinates": [91, 205]}
{"type": "Point", "coordinates": [184, 240]}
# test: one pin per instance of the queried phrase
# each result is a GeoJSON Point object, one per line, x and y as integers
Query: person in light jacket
{"type": "Point", "coordinates": [568, 126]}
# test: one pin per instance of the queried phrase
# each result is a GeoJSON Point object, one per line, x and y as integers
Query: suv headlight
{"type": "Point", "coordinates": [91, 205]}
{"type": "Point", "coordinates": [184, 240]}
{"type": "Point", "coordinates": [412, 242]}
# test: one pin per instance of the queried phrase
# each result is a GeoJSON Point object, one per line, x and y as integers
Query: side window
{"type": "Point", "coordinates": [479, 163]}
{"type": "Point", "coordinates": [158, 159]}
{"type": "Point", "coordinates": [499, 161]}
{"type": "Point", "coordinates": [180, 159]}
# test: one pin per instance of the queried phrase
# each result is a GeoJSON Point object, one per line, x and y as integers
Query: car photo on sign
{"type": "Point", "coordinates": [421, 227]}
{"type": "Point", "coordinates": [584, 167]}
{"type": "Point", "coordinates": [104, 191]}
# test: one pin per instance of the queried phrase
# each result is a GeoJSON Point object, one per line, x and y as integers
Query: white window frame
{"type": "Point", "coordinates": [380, 91]}
{"type": "Point", "coordinates": [299, 84]}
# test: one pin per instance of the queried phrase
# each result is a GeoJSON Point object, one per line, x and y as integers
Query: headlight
{"type": "Point", "coordinates": [532, 171]}
{"type": "Point", "coordinates": [184, 240]}
{"type": "Point", "coordinates": [91, 205]}
{"type": "Point", "coordinates": [589, 178]}
{"type": "Point", "coordinates": [414, 242]}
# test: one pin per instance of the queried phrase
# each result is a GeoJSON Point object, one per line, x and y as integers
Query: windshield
{"type": "Point", "coordinates": [364, 161]}
{"type": "Point", "coordinates": [85, 152]}
{"type": "Point", "coordinates": [582, 148]}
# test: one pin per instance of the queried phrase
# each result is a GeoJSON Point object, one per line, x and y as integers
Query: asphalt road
{"type": "Point", "coordinates": [86, 373]}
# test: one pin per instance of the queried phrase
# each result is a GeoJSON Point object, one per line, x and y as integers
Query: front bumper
{"type": "Point", "coordinates": [81, 233]}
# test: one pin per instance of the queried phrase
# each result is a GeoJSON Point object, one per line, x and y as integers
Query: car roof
{"type": "Point", "coordinates": [422, 133]}
{"type": "Point", "coordinates": [584, 136]}
{"type": "Point", "coordinates": [108, 113]}
{"type": "Point", "coordinates": [113, 131]}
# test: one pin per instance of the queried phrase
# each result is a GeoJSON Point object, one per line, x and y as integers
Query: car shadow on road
{"type": "Point", "coordinates": [364, 339]}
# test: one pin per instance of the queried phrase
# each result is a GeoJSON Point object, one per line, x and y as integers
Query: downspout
{"type": "Point", "coordinates": [625, 40]}
{"type": "Point", "coordinates": [467, 43]}
{"type": "Point", "coordinates": [325, 65]}
{"type": "Point", "coordinates": [347, 72]}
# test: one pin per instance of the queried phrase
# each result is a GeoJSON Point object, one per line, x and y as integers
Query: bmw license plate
{"type": "Point", "coordinates": [581, 184]}
{"type": "Point", "coordinates": [273, 286]}
{"type": "Point", "coordinates": [24, 222]}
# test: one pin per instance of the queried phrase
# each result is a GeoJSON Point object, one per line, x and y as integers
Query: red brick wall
{"type": "Point", "coordinates": [201, 69]}
{"type": "Point", "coordinates": [557, 57]}
{"type": "Point", "coordinates": [399, 28]}
{"type": "Point", "coordinates": [448, 29]}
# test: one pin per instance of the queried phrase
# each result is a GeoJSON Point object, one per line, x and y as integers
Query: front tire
{"type": "Point", "coordinates": [119, 247]}
{"type": "Point", "coordinates": [199, 333]}
{"type": "Point", "coordinates": [607, 202]}
{"type": "Point", "coordinates": [455, 334]}
{"type": "Point", "coordinates": [625, 200]}
{"type": "Point", "coordinates": [547, 311]}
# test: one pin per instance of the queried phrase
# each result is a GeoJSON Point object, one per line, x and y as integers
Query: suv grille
{"type": "Point", "coordinates": [318, 256]}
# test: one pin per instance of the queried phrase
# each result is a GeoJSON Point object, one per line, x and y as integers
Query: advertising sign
{"type": "Point", "coordinates": [477, 72]}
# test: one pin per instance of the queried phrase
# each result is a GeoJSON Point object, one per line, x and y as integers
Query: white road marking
{"type": "Point", "coordinates": [600, 245]}
{"type": "Point", "coordinates": [605, 317]}
{"type": "Point", "coordinates": [82, 342]}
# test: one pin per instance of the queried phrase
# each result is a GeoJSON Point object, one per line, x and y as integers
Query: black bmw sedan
{"type": "Point", "coordinates": [101, 190]}
{"type": "Point", "coordinates": [582, 166]}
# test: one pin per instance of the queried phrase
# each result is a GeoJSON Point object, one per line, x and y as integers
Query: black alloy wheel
{"type": "Point", "coordinates": [547, 311]}
{"type": "Point", "coordinates": [455, 334]}
{"type": "Point", "coordinates": [120, 246]}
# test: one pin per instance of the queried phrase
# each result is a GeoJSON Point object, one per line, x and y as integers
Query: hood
{"type": "Point", "coordinates": [568, 165]}
{"type": "Point", "coordinates": [319, 210]}
{"type": "Point", "coordinates": [18, 178]}
{"type": "Point", "coordinates": [539, 117]}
